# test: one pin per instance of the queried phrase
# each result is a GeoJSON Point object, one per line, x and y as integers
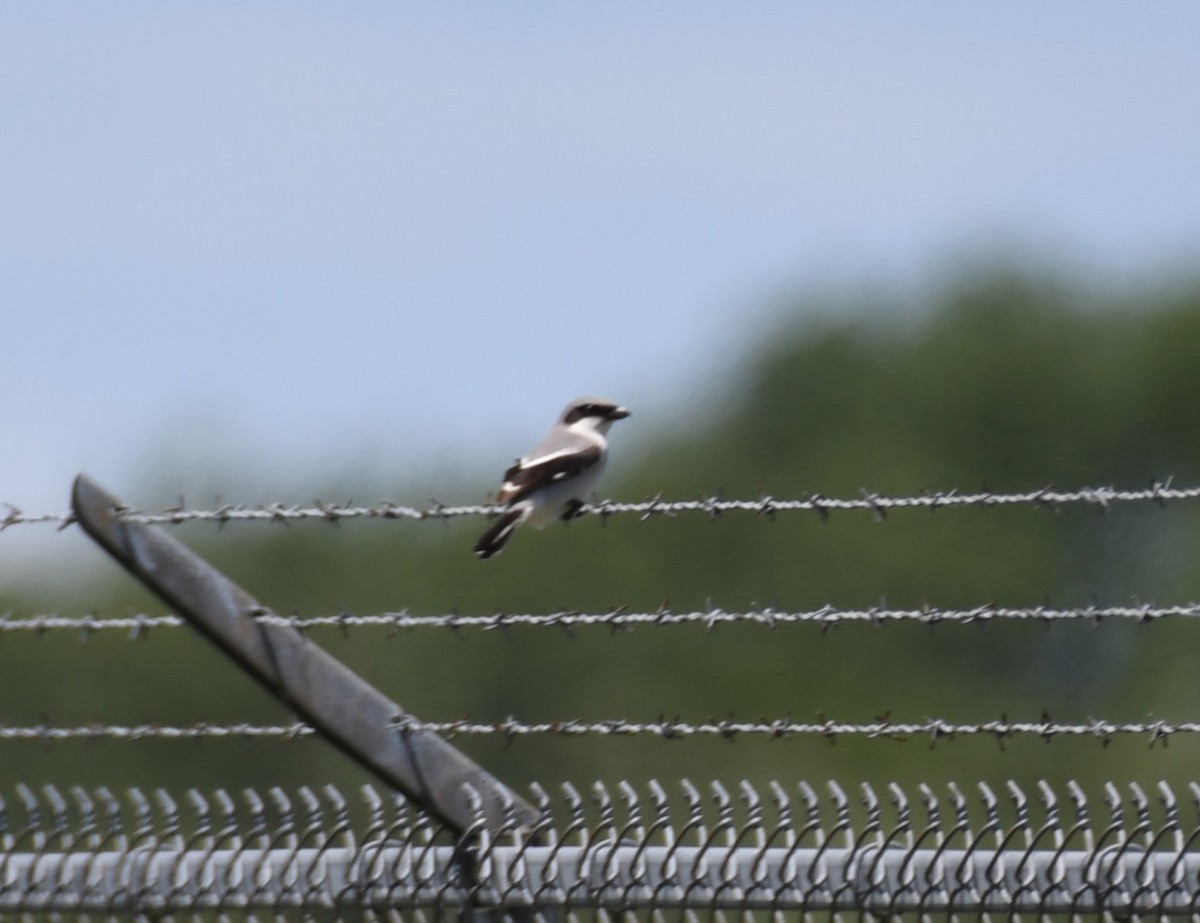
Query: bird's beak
{"type": "Point", "coordinates": [618, 413]}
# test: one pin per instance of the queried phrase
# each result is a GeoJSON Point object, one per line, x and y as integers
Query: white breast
{"type": "Point", "coordinates": [550, 502]}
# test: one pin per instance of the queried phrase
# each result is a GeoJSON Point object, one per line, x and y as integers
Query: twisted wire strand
{"type": "Point", "coordinates": [671, 729]}
{"type": "Point", "coordinates": [713, 506]}
{"type": "Point", "coordinates": [622, 618]}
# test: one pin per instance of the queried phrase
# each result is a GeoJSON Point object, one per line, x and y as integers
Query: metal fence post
{"type": "Point", "coordinates": [340, 705]}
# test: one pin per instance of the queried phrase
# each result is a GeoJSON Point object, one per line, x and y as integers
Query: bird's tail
{"type": "Point", "coordinates": [493, 540]}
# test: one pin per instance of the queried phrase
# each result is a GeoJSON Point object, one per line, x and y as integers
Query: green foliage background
{"type": "Point", "coordinates": [1012, 379]}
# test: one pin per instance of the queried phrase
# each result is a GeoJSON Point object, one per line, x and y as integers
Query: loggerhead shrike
{"type": "Point", "coordinates": [552, 481]}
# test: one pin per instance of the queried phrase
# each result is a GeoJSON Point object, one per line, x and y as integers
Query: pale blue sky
{"type": "Point", "coordinates": [297, 238]}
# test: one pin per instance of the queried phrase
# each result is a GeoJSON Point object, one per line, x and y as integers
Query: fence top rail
{"type": "Point", "coordinates": [779, 845]}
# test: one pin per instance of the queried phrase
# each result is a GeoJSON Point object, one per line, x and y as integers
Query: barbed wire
{"type": "Point", "coordinates": [713, 505]}
{"type": "Point", "coordinates": [47, 733]}
{"type": "Point", "coordinates": [934, 729]}
{"type": "Point", "coordinates": [621, 618]}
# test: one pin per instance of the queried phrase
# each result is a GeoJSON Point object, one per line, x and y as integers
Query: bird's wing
{"type": "Point", "coordinates": [548, 464]}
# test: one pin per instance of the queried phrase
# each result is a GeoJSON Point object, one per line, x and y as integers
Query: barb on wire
{"type": "Point", "coordinates": [15, 517]}
{"type": "Point", "coordinates": [621, 618]}
{"type": "Point", "coordinates": [933, 729]}
{"type": "Point", "coordinates": [711, 506]}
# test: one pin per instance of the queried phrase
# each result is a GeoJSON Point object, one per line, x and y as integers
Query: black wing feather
{"type": "Point", "coordinates": [525, 477]}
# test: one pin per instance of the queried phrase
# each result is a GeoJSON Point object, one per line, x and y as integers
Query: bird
{"type": "Point", "coordinates": [552, 480]}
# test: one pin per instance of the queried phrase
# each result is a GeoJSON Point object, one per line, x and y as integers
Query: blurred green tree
{"type": "Point", "coordinates": [1007, 379]}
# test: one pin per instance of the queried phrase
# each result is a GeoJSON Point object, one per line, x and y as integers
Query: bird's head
{"type": "Point", "coordinates": [592, 412]}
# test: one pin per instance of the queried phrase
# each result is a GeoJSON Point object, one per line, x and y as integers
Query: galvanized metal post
{"type": "Point", "coordinates": [354, 715]}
